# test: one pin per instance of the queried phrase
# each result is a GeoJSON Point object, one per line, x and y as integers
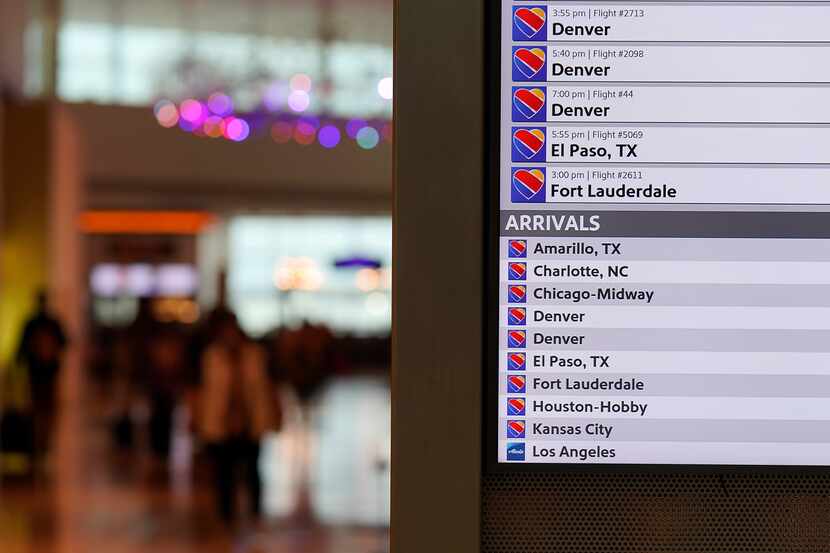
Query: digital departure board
{"type": "Point", "coordinates": [663, 230]}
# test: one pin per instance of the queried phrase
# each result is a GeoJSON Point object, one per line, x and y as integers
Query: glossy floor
{"type": "Point", "coordinates": [96, 500]}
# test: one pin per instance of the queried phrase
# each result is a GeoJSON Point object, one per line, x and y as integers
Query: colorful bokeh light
{"type": "Point", "coordinates": [329, 136]}
{"type": "Point", "coordinates": [214, 126]}
{"type": "Point", "coordinates": [368, 138]}
{"type": "Point", "coordinates": [385, 88]}
{"type": "Point", "coordinates": [282, 131]}
{"type": "Point", "coordinates": [215, 117]}
{"type": "Point", "coordinates": [187, 126]}
{"type": "Point", "coordinates": [160, 104]}
{"type": "Point", "coordinates": [300, 83]}
{"type": "Point", "coordinates": [304, 133]}
{"type": "Point", "coordinates": [354, 126]}
{"type": "Point", "coordinates": [311, 120]}
{"type": "Point", "coordinates": [192, 111]}
{"type": "Point", "coordinates": [299, 101]}
{"type": "Point", "coordinates": [167, 114]}
{"type": "Point", "coordinates": [275, 96]}
{"type": "Point", "coordinates": [236, 129]}
{"type": "Point", "coordinates": [220, 104]}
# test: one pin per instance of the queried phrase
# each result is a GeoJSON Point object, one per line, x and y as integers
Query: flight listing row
{"type": "Point", "coordinates": [663, 272]}
{"type": "Point", "coordinates": [685, 103]}
{"type": "Point", "coordinates": [571, 143]}
{"type": "Point", "coordinates": [532, 340]}
{"type": "Point", "coordinates": [668, 430]}
{"type": "Point", "coordinates": [669, 407]}
{"type": "Point", "coordinates": [667, 385]}
{"type": "Point", "coordinates": [606, 362]}
{"type": "Point", "coordinates": [701, 184]}
{"type": "Point", "coordinates": [709, 22]}
{"type": "Point", "coordinates": [515, 296]}
{"type": "Point", "coordinates": [656, 249]}
{"type": "Point", "coordinates": [646, 63]}
{"type": "Point", "coordinates": [666, 452]}
{"type": "Point", "coordinates": [644, 315]}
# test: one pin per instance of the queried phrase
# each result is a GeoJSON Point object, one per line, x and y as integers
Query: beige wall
{"type": "Point", "coordinates": [67, 283]}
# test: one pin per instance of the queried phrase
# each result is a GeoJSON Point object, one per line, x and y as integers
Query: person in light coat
{"type": "Point", "coordinates": [237, 406]}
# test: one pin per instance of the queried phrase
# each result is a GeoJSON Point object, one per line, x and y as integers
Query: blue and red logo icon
{"type": "Point", "coordinates": [516, 384]}
{"type": "Point", "coordinates": [516, 361]}
{"type": "Point", "coordinates": [516, 316]}
{"type": "Point", "coordinates": [529, 105]}
{"type": "Point", "coordinates": [517, 294]}
{"type": "Point", "coordinates": [517, 271]}
{"type": "Point", "coordinates": [516, 406]}
{"type": "Point", "coordinates": [516, 339]}
{"type": "Point", "coordinates": [528, 145]}
{"type": "Point", "coordinates": [516, 452]}
{"type": "Point", "coordinates": [529, 64]}
{"type": "Point", "coordinates": [528, 186]}
{"type": "Point", "coordinates": [517, 249]}
{"type": "Point", "coordinates": [516, 429]}
{"type": "Point", "coordinates": [529, 23]}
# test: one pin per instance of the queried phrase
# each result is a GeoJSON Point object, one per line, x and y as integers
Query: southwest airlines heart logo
{"type": "Point", "coordinates": [528, 145]}
{"type": "Point", "coordinates": [517, 271]}
{"type": "Point", "coordinates": [516, 362]}
{"type": "Point", "coordinates": [516, 339]}
{"type": "Point", "coordinates": [528, 64]}
{"type": "Point", "coordinates": [515, 429]}
{"type": "Point", "coordinates": [529, 22]}
{"type": "Point", "coordinates": [528, 186]}
{"type": "Point", "coordinates": [517, 294]}
{"type": "Point", "coordinates": [518, 248]}
{"type": "Point", "coordinates": [528, 104]}
{"type": "Point", "coordinates": [516, 316]}
{"type": "Point", "coordinates": [516, 384]}
{"type": "Point", "coordinates": [516, 406]}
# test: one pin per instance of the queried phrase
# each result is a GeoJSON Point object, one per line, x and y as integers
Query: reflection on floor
{"type": "Point", "coordinates": [342, 450]}
{"type": "Point", "coordinates": [95, 500]}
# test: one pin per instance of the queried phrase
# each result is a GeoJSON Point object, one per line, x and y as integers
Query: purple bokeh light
{"type": "Point", "coordinates": [353, 127]}
{"type": "Point", "coordinates": [220, 104]}
{"type": "Point", "coordinates": [329, 136]}
{"type": "Point", "coordinates": [236, 129]}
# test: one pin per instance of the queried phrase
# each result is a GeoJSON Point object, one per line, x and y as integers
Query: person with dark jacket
{"type": "Point", "coordinates": [41, 349]}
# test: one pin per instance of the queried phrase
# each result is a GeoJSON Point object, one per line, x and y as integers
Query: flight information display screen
{"type": "Point", "coordinates": [663, 234]}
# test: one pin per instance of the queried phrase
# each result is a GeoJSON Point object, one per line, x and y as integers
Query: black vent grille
{"type": "Point", "coordinates": [650, 513]}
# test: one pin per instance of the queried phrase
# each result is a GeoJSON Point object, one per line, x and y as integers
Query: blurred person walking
{"type": "Point", "coordinates": [163, 383]}
{"type": "Point", "coordinates": [237, 405]}
{"type": "Point", "coordinates": [42, 344]}
{"type": "Point", "coordinates": [131, 362]}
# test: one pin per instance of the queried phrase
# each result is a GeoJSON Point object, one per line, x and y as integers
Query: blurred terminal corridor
{"type": "Point", "coordinates": [195, 221]}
